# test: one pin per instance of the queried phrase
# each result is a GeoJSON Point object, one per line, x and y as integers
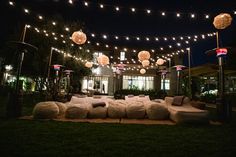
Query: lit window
{"type": "Point", "coordinates": [122, 56]}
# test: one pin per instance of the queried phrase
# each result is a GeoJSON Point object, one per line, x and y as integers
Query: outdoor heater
{"type": "Point", "coordinates": [179, 68]}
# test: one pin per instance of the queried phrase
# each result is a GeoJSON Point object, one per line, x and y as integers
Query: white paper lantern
{"type": "Point", "coordinates": [145, 63]}
{"type": "Point", "coordinates": [222, 21]}
{"type": "Point", "coordinates": [143, 55]}
{"type": "Point", "coordinates": [79, 37]}
{"type": "Point", "coordinates": [89, 64]}
{"type": "Point", "coordinates": [142, 71]}
{"type": "Point", "coordinates": [103, 60]}
{"type": "Point", "coordinates": [160, 61]}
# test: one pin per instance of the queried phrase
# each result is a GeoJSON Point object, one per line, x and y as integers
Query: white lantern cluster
{"type": "Point", "coordinates": [79, 37]}
{"type": "Point", "coordinates": [222, 21]}
{"type": "Point", "coordinates": [103, 60]}
{"type": "Point", "coordinates": [160, 61]}
{"type": "Point", "coordinates": [142, 71]}
{"type": "Point", "coordinates": [143, 55]}
{"type": "Point", "coordinates": [145, 63]}
{"type": "Point", "coordinates": [89, 64]}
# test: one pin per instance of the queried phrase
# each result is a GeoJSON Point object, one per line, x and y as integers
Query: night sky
{"type": "Point", "coordinates": [125, 23]}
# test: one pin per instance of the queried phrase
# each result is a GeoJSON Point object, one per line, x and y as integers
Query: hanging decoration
{"type": "Point", "coordinates": [160, 61]}
{"type": "Point", "coordinates": [88, 64]}
{"type": "Point", "coordinates": [103, 60]}
{"type": "Point", "coordinates": [145, 63]}
{"type": "Point", "coordinates": [222, 21]}
{"type": "Point", "coordinates": [142, 71]}
{"type": "Point", "coordinates": [79, 37]}
{"type": "Point", "coordinates": [143, 55]}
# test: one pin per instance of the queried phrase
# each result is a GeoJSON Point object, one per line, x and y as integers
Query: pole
{"type": "Point", "coordinates": [49, 62]}
{"type": "Point", "coordinates": [189, 72]}
{"type": "Point", "coordinates": [217, 40]}
{"type": "Point", "coordinates": [178, 77]}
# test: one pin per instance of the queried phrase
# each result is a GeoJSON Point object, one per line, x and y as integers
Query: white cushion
{"type": "Point", "coordinates": [135, 109]}
{"type": "Point", "coordinates": [157, 111]}
{"type": "Point", "coordinates": [76, 111]}
{"type": "Point", "coordinates": [46, 110]}
{"type": "Point", "coordinates": [116, 109]}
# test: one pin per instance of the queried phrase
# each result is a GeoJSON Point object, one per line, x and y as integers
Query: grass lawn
{"type": "Point", "coordinates": [53, 138]}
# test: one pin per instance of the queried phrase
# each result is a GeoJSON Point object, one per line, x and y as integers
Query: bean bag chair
{"type": "Point", "coordinates": [45, 110]}
{"type": "Point", "coordinates": [116, 109]}
{"type": "Point", "coordinates": [135, 110]}
{"type": "Point", "coordinates": [62, 108]}
{"type": "Point", "coordinates": [97, 112]}
{"type": "Point", "coordinates": [157, 111]}
{"type": "Point", "coordinates": [76, 111]}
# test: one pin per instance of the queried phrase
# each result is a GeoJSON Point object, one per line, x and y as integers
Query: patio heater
{"type": "Point", "coordinates": [221, 22]}
{"type": "Point", "coordinates": [68, 74]}
{"type": "Point", "coordinates": [163, 75]}
{"type": "Point", "coordinates": [14, 106]}
{"type": "Point", "coordinates": [57, 68]}
{"type": "Point", "coordinates": [179, 68]}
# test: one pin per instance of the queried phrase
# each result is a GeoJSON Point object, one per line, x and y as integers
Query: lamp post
{"type": "Point", "coordinates": [14, 106]}
{"type": "Point", "coordinates": [221, 22]}
{"type": "Point", "coordinates": [189, 72]}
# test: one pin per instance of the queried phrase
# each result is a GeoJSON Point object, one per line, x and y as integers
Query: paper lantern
{"type": "Point", "coordinates": [160, 61]}
{"type": "Point", "coordinates": [145, 63]}
{"type": "Point", "coordinates": [79, 37]}
{"type": "Point", "coordinates": [142, 71]}
{"type": "Point", "coordinates": [89, 64]}
{"type": "Point", "coordinates": [103, 60]}
{"type": "Point", "coordinates": [143, 55]}
{"type": "Point", "coordinates": [222, 21]}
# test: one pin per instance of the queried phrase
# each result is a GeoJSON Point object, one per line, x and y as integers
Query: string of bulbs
{"type": "Point", "coordinates": [147, 11]}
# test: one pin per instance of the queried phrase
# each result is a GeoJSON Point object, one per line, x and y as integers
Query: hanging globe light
{"type": "Point", "coordinates": [88, 64]}
{"type": "Point", "coordinates": [222, 21]}
{"type": "Point", "coordinates": [103, 60]}
{"type": "Point", "coordinates": [142, 71]}
{"type": "Point", "coordinates": [160, 61]}
{"type": "Point", "coordinates": [79, 37]}
{"type": "Point", "coordinates": [145, 63]}
{"type": "Point", "coordinates": [143, 55]}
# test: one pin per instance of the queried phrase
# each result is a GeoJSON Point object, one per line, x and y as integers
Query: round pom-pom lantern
{"type": "Point", "coordinates": [89, 64]}
{"type": "Point", "coordinates": [79, 37]}
{"type": "Point", "coordinates": [160, 61]}
{"type": "Point", "coordinates": [142, 71]}
{"type": "Point", "coordinates": [222, 21]}
{"type": "Point", "coordinates": [103, 60]}
{"type": "Point", "coordinates": [143, 55]}
{"type": "Point", "coordinates": [145, 63]}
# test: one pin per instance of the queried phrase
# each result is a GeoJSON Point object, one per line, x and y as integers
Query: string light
{"type": "Point", "coordinates": [11, 3]}
{"type": "Point", "coordinates": [86, 4]}
{"type": "Point", "coordinates": [117, 9]}
{"type": "Point", "coordinates": [40, 17]}
{"type": "Point", "coordinates": [148, 11]}
{"type": "Point", "coordinates": [121, 49]}
{"type": "Point", "coordinates": [70, 1]}
{"type": "Point", "coordinates": [26, 11]}
{"type": "Point", "coordinates": [192, 15]}
{"type": "Point", "coordinates": [101, 6]}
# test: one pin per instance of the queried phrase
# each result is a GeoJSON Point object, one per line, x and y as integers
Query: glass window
{"type": "Point", "coordinates": [122, 56]}
{"type": "Point", "coordinates": [167, 84]}
{"type": "Point", "coordinates": [138, 82]}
